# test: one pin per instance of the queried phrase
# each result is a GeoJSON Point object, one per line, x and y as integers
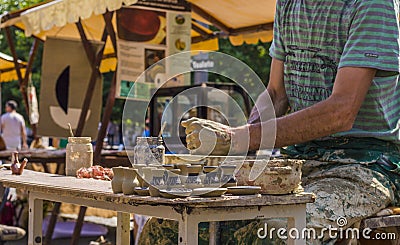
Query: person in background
{"type": "Point", "coordinates": [111, 128]}
{"type": "Point", "coordinates": [13, 127]}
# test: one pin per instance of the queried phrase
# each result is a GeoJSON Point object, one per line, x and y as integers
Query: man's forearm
{"type": "Point", "coordinates": [320, 120]}
{"type": "Point", "coordinates": [335, 114]}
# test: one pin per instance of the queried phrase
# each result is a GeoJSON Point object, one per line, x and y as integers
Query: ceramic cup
{"type": "Point", "coordinates": [118, 179]}
{"type": "Point", "coordinates": [130, 181]}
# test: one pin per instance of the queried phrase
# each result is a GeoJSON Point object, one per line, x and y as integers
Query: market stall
{"type": "Point", "coordinates": [88, 20]}
{"type": "Point", "coordinates": [189, 211]}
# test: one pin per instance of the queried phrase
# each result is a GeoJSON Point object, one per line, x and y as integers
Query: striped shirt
{"type": "Point", "coordinates": [315, 38]}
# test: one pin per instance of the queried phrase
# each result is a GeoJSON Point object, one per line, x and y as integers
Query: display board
{"type": "Point", "coordinates": [66, 73]}
{"type": "Point", "coordinates": [148, 32]}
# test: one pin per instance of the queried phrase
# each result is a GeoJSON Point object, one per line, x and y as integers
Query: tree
{"type": "Point", "coordinates": [10, 90]}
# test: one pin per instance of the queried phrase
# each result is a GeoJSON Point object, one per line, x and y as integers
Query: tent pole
{"type": "Point", "coordinates": [17, 68]}
{"type": "Point", "coordinates": [111, 93]}
{"type": "Point", "coordinates": [110, 29]}
{"type": "Point", "coordinates": [95, 62]}
{"type": "Point", "coordinates": [106, 118]}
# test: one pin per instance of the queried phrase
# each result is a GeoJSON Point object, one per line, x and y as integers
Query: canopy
{"type": "Point", "coordinates": [58, 17]}
{"type": "Point", "coordinates": [7, 68]}
{"type": "Point", "coordinates": [243, 20]}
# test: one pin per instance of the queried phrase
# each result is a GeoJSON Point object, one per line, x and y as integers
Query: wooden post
{"type": "Point", "coordinates": [106, 118]}
{"type": "Point", "coordinates": [95, 62]}
{"type": "Point", "coordinates": [111, 94]}
{"type": "Point", "coordinates": [78, 226]}
{"type": "Point", "coordinates": [35, 220]}
{"type": "Point", "coordinates": [123, 228]}
{"type": "Point", "coordinates": [23, 81]}
{"type": "Point", "coordinates": [17, 68]}
{"type": "Point", "coordinates": [52, 223]}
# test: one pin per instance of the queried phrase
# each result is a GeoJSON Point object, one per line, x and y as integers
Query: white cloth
{"type": "Point", "coordinates": [61, 12]}
{"type": "Point", "coordinates": [12, 123]}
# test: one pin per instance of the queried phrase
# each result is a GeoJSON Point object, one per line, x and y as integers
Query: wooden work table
{"type": "Point", "coordinates": [188, 211]}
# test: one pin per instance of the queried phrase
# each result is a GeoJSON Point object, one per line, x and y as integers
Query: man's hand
{"type": "Point", "coordinates": [205, 137]}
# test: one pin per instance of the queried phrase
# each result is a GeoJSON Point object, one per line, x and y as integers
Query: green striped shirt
{"type": "Point", "coordinates": [315, 38]}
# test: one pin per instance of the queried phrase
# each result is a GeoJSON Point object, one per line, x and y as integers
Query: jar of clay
{"type": "Point", "coordinates": [79, 153]}
{"type": "Point", "coordinates": [149, 150]}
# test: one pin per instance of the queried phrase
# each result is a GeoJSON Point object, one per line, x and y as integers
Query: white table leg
{"type": "Point", "coordinates": [213, 230]}
{"type": "Point", "coordinates": [35, 220]}
{"type": "Point", "coordinates": [188, 230]}
{"type": "Point", "coordinates": [123, 228]}
{"type": "Point", "coordinates": [297, 221]}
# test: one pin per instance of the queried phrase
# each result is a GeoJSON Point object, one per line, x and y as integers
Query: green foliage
{"type": "Point", "coordinates": [13, 5]}
{"type": "Point", "coordinates": [23, 45]}
{"type": "Point", "coordinates": [255, 56]}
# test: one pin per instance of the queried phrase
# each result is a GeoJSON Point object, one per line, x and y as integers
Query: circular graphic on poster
{"type": "Point", "coordinates": [180, 44]}
{"type": "Point", "coordinates": [179, 19]}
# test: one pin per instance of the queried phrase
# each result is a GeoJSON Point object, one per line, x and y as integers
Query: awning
{"type": "Point", "coordinates": [7, 68]}
{"type": "Point", "coordinates": [58, 17]}
{"type": "Point", "coordinates": [242, 20]}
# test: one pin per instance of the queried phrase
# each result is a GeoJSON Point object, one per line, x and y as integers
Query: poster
{"type": "Point", "coordinates": [145, 36]}
{"type": "Point", "coordinates": [65, 77]}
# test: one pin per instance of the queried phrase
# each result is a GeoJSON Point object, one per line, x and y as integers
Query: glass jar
{"type": "Point", "coordinates": [79, 153]}
{"type": "Point", "coordinates": [149, 150]}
